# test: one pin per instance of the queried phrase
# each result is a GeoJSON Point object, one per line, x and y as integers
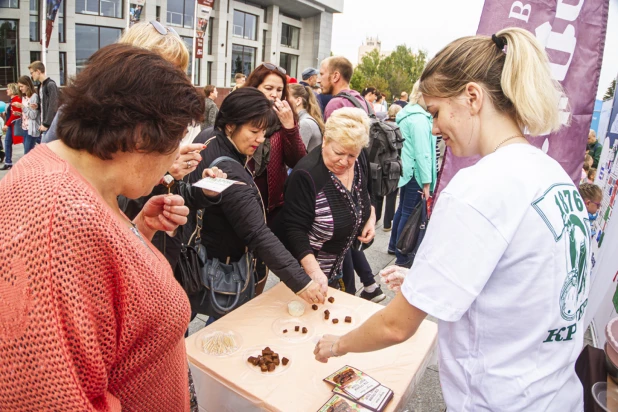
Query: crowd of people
{"type": "Point", "coordinates": [94, 238]}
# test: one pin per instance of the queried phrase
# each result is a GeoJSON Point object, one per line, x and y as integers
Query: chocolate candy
{"type": "Point", "coordinates": [335, 321]}
{"type": "Point", "coordinates": [285, 361]}
{"type": "Point", "coordinates": [304, 330]}
{"type": "Point", "coordinates": [285, 331]}
{"type": "Point", "coordinates": [348, 319]}
{"type": "Point", "coordinates": [326, 314]}
{"type": "Point", "coordinates": [331, 299]}
{"type": "Point", "coordinates": [264, 368]}
{"type": "Point", "coordinates": [271, 367]}
{"type": "Point", "coordinates": [296, 328]}
{"type": "Point", "coordinates": [314, 307]}
{"type": "Point", "coordinates": [252, 360]}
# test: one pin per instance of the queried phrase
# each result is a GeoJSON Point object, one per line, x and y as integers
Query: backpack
{"type": "Point", "coordinates": [385, 142]}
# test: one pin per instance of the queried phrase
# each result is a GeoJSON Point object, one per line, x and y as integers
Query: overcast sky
{"type": "Point", "coordinates": [430, 25]}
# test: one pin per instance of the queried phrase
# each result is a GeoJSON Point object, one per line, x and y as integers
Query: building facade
{"type": "Point", "coordinates": [368, 46]}
{"type": "Point", "coordinates": [294, 34]}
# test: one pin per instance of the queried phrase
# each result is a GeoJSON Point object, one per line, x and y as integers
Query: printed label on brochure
{"type": "Point", "coordinates": [353, 382]}
{"type": "Point", "coordinates": [216, 184]}
{"type": "Point", "coordinates": [376, 400]}
{"type": "Point", "coordinates": [339, 403]}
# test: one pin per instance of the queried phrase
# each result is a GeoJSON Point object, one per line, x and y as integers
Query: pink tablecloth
{"type": "Point", "coordinates": [230, 384]}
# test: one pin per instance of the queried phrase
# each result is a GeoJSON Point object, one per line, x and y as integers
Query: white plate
{"type": "Point", "coordinates": [289, 323]}
{"type": "Point", "coordinates": [257, 350]}
{"type": "Point", "coordinates": [199, 342]}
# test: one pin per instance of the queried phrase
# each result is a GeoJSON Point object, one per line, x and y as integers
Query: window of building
{"type": "Point", "coordinates": [210, 31]}
{"type": "Point", "coordinates": [181, 13]}
{"type": "Point", "coordinates": [209, 73]}
{"type": "Point", "coordinates": [189, 43]}
{"type": "Point", "coordinates": [245, 25]}
{"type": "Point", "coordinates": [9, 47]}
{"type": "Point", "coordinates": [290, 36]}
{"type": "Point", "coordinates": [35, 25]}
{"type": "Point", "coordinates": [158, 13]}
{"type": "Point", "coordinates": [63, 68]}
{"type": "Point", "coordinates": [264, 46]}
{"type": "Point", "coordinates": [35, 56]}
{"type": "Point", "coordinates": [62, 38]}
{"type": "Point", "coordinates": [105, 8]}
{"type": "Point", "coordinates": [9, 4]}
{"type": "Point", "coordinates": [243, 60]}
{"type": "Point", "coordinates": [89, 39]}
{"type": "Point", "coordinates": [290, 63]}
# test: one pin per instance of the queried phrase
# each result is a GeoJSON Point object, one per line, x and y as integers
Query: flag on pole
{"type": "Point", "coordinates": [52, 11]}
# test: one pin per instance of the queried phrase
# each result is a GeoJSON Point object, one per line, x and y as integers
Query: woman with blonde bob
{"type": "Point", "coordinates": [326, 206]}
{"type": "Point", "coordinates": [505, 261]}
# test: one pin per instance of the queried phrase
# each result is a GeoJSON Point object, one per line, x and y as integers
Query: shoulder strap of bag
{"type": "Point", "coordinates": [356, 103]}
{"type": "Point", "coordinates": [222, 159]}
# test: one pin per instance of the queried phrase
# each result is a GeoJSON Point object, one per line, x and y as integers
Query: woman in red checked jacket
{"type": "Point", "coordinates": [283, 146]}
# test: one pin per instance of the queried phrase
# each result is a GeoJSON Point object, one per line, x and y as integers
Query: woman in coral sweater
{"type": "Point", "coordinates": [91, 318]}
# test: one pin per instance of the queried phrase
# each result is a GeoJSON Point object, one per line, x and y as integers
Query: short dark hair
{"type": "Point", "coordinates": [368, 90]}
{"type": "Point", "coordinates": [112, 107]}
{"type": "Point", "coordinates": [342, 65]}
{"type": "Point", "coordinates": [246, 105]}
{"type": "Point", "coordinates": [209, 89]}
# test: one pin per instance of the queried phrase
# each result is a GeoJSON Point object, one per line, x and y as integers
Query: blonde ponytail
{"type": "Point", "coordinates": [526, 81]}
{"type": "Point", "coordinates": [310, 103]}
{"type": "Point", "coordinates": [517, 79]}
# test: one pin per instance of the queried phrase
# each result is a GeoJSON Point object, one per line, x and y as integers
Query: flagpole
{"type": "Point", "coordinates": [44, 34]}
{"type": "Point", "coordinates": [194, 42]}
{"type": "Point", "coordinates": [128, 13]}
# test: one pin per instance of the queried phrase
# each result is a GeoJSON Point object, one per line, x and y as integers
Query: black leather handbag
{"type": "Point", "coordinates": [413, 232]}
{"type": "Point", "coordinates": [192, 259]}
{"type": "Point", "coordinates": [227, 285]}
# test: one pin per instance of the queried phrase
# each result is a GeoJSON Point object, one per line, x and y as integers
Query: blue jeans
{"type": "Point", "coordinates": [409, 196]}
{"type": "Point", "coordinates": [29, 142]}
{"type": "Point", "coordinates": [8, 146]}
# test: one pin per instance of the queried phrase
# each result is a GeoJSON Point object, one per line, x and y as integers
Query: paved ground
{"type": "Point", "coordinates": [428, 395]}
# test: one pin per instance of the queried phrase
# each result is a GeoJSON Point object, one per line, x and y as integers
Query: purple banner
{"type": "Point", "coordinates": [573, 34]}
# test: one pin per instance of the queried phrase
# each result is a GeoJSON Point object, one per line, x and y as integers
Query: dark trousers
{"type": "Point", "coordinates": [410, 195]}
{"type": "Point", "coordinates": [356, 261]}
{"type": "Point", "coordinates": [29, 142]}
{"type": "Point", "coordinates": [389, 211]}
{"type": "Point", "coordinates": [8, 146]}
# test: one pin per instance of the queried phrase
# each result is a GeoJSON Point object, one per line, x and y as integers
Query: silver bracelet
{"type": "Point", "coordinates": [332, 352]}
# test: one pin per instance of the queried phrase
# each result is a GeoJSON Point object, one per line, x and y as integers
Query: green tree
{"type": "Point", "coordinates": [609, 94]}
{"type": "Point", "coordinates": [391, 74]}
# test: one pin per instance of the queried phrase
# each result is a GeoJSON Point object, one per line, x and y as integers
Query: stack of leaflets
{"type": "Point", "coordinates": [356, 391]}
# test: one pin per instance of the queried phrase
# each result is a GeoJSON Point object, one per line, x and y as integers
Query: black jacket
{"type": "Point", "coordinates": [194, 198]}
{"type": "Point", "coordinates": [49, 101]}
{"type": "Point", "coordinates": [320, 216]}
{"type": "Point", "coordinates": [237, 221]}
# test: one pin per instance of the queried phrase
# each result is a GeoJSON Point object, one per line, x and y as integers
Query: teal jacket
{"type": "Point", "coordinates": [418, 156]}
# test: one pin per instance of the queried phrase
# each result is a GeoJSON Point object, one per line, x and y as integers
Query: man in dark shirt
{"type": "Point", "coordinates": [403, 100]}
{"type": "Point", "coordinates": [594, 148]}
{"type": "Point", "coordinates": [48, 93]}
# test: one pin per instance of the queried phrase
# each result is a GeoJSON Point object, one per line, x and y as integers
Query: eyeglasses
{"type": "Point", "coordinates": [163, 30]}
{"type": "Point", "coordinates": [272, 67]}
